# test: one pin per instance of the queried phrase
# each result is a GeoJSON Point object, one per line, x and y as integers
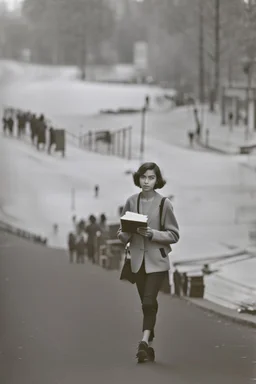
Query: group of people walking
{"type": "Point", "coordinates": [19, 121]}
{"type": "Point", "coordinates": [180, 282]}
{"type": "Point", "coordinates": [86, 238]}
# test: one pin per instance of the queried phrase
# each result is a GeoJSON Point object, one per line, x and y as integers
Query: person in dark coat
{"type": "Point", "coordinates": [41, 129]}
{"type": "Point", "coordinates": [177, 282]}
{"type": "Point", "coordinates": [184, 284]}
{"type": "Point", "coordinates": [33, 123]}
{"type": "Point", "coordinates": [18, 117]}
{"type": "Point", "coordinates": [10, 124]}
{"type": "Point", "coordinates": [71, 246]}
{"type": "Point", "coordinates": [81, 240]}
{"type": "Point", "coordinates": [52, 139]}
{"type": "Point", "coordinates": [5, 124]}
{"type": "Point", "coordinates": [93, 230]}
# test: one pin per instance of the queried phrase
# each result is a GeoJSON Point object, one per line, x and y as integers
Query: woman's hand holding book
{"type": "Point", "coordinates": [145, 231]}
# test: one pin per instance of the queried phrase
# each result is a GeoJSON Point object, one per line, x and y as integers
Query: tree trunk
{"type": "Point", "coordinates": [201, 53]}
{"type": "Point", "coordinates": [217, 50]}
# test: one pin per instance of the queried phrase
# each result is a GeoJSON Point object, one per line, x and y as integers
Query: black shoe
{"type": "Point", "coordinates": [151, 354]}
{"type": "Point", "coordinates": [142, 354]}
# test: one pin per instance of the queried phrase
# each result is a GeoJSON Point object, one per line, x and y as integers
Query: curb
{"type": "Point", "coordinates": [220, 313]}
{"type": "Point", "coordinates": [218, 150]}
{"type": "Point", "coordinates": [35, 238]}
{"type": "Point", "coordinates": [250, 167]}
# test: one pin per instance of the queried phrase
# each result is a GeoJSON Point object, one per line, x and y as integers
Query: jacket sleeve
{"type": "Point", "coordinates": [124, 237]}
{"type": "Point", "coordinates": [170, 234]}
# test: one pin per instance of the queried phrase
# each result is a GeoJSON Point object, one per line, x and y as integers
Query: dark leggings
{"type": "Point", "coordinates": [148, 286]}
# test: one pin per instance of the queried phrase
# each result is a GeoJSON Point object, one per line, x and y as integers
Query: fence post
{"type": "Point", "coordinates": [73, 199]}
{"type": "Point", "coordinates": [130, 143]}
{"type": "Point", "coordinates": [124, 141]}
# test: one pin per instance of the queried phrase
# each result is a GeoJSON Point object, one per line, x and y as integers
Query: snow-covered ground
{"type": "Point", "coordinates": [214, 196]}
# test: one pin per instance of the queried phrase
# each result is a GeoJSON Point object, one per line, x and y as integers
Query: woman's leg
{"type": "Point", "coordinates": [140, 283]}
{"type": "Point", "coordinates": [153, 283]}
{"type": "Point", "coordinates": [148, 286]}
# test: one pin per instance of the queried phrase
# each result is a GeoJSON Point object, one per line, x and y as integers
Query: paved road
{"type": "Point", "coordinates": [76, 324]}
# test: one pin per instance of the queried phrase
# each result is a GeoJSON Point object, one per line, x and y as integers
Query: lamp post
{"type": "Point", "coordinates": [248, 72]}
{"type": "Point", "coordinates": [73, 199]}
{"type": "Point", "coordinates": [143, 126]}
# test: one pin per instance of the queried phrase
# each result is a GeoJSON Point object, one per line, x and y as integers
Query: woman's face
{"type": "Point", "coordinates": [148, 181]}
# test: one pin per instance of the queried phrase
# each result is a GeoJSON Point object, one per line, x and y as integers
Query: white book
{"type": "Point", "coordinates": [130, 221]}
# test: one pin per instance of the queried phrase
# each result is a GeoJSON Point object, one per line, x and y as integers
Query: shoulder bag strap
{"type": "Point", "coordinates": [161, 209]}
{"type": "Point", "coordinates": [161, 212]}
{"type": "Point", "coordinates": [138, 203]}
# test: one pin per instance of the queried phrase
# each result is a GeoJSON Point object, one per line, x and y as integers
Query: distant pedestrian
{"type": "Point", "coordinates": [93, 231]}
{"type": "Point", "coordinates": [5, 124]}
{"type": "Point", "coordinates": [52, 139]}
{"type": "Point", "coordinates": [147, 101]}
{"type": "Point", "coordinates": [10, 123]}
{"type": "Point", "coordinates": [96, 190]}
{"type": "Point", "coordinates": [81, 243]}
{"type": "Point", "coordinates": [230, 121]}
{"type": "Point", "coordinates": [104, 229]}
{"type": "Point", "coordinates": [74, 221]}
{"type": "Point", "coordinates": [198, 124]}
{"type": "Point", "coordinates": [207, 136]}
{"type": "Point", "coordinates": [55, 228]}
{"type": "Point", "coordinates": [32, 124]}
{"type": "Point", "coordinates": [149, 248]}
{"type": "Point", "coordinates": [71, 246]}
{"type": "Point", "coordinates": [206, 270]}
{"type": "Point", "coordinates": [184, 283]}
{"type": "Point", "coordinates": [191, 138]}
{"type": "Point", "coordinates": [90, 140]}
{"type": "Point", "coordinates": [41, 132]}
{"type": "Point", "coordinates": [19, 123]}
{"type": "Point", "coordinates": [177, 282]}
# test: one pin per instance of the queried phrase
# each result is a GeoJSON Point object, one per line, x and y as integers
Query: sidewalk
{"type": "Point", "coordinates": [226, 313]}
{"type": "Point", "coordinates": [222, 140]}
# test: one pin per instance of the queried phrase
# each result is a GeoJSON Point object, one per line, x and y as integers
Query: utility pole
{"type": "Point", "coordinates": [142, 137]}
{"type": "Point", "coordinates": [201, 68]}
{"type": "Point", "coordinates": [143, 126]}
{"type": "Point", "coordinates": [217, 50]}
{"type": "Point", "coordinates": [249, 13]}
{"type": "Point", "coordinates": [73, 199]}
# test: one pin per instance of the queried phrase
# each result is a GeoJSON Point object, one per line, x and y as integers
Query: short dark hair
{"type": "Point", "coordinates": [103, 218]}
{"type": "Point", "coordinates": [92, 219]}
{"type": "Point", "coordinates": [160, 182]}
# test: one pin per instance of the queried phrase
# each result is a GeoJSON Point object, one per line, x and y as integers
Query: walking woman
{"type": "Point", "coordinates": [149, 248]}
